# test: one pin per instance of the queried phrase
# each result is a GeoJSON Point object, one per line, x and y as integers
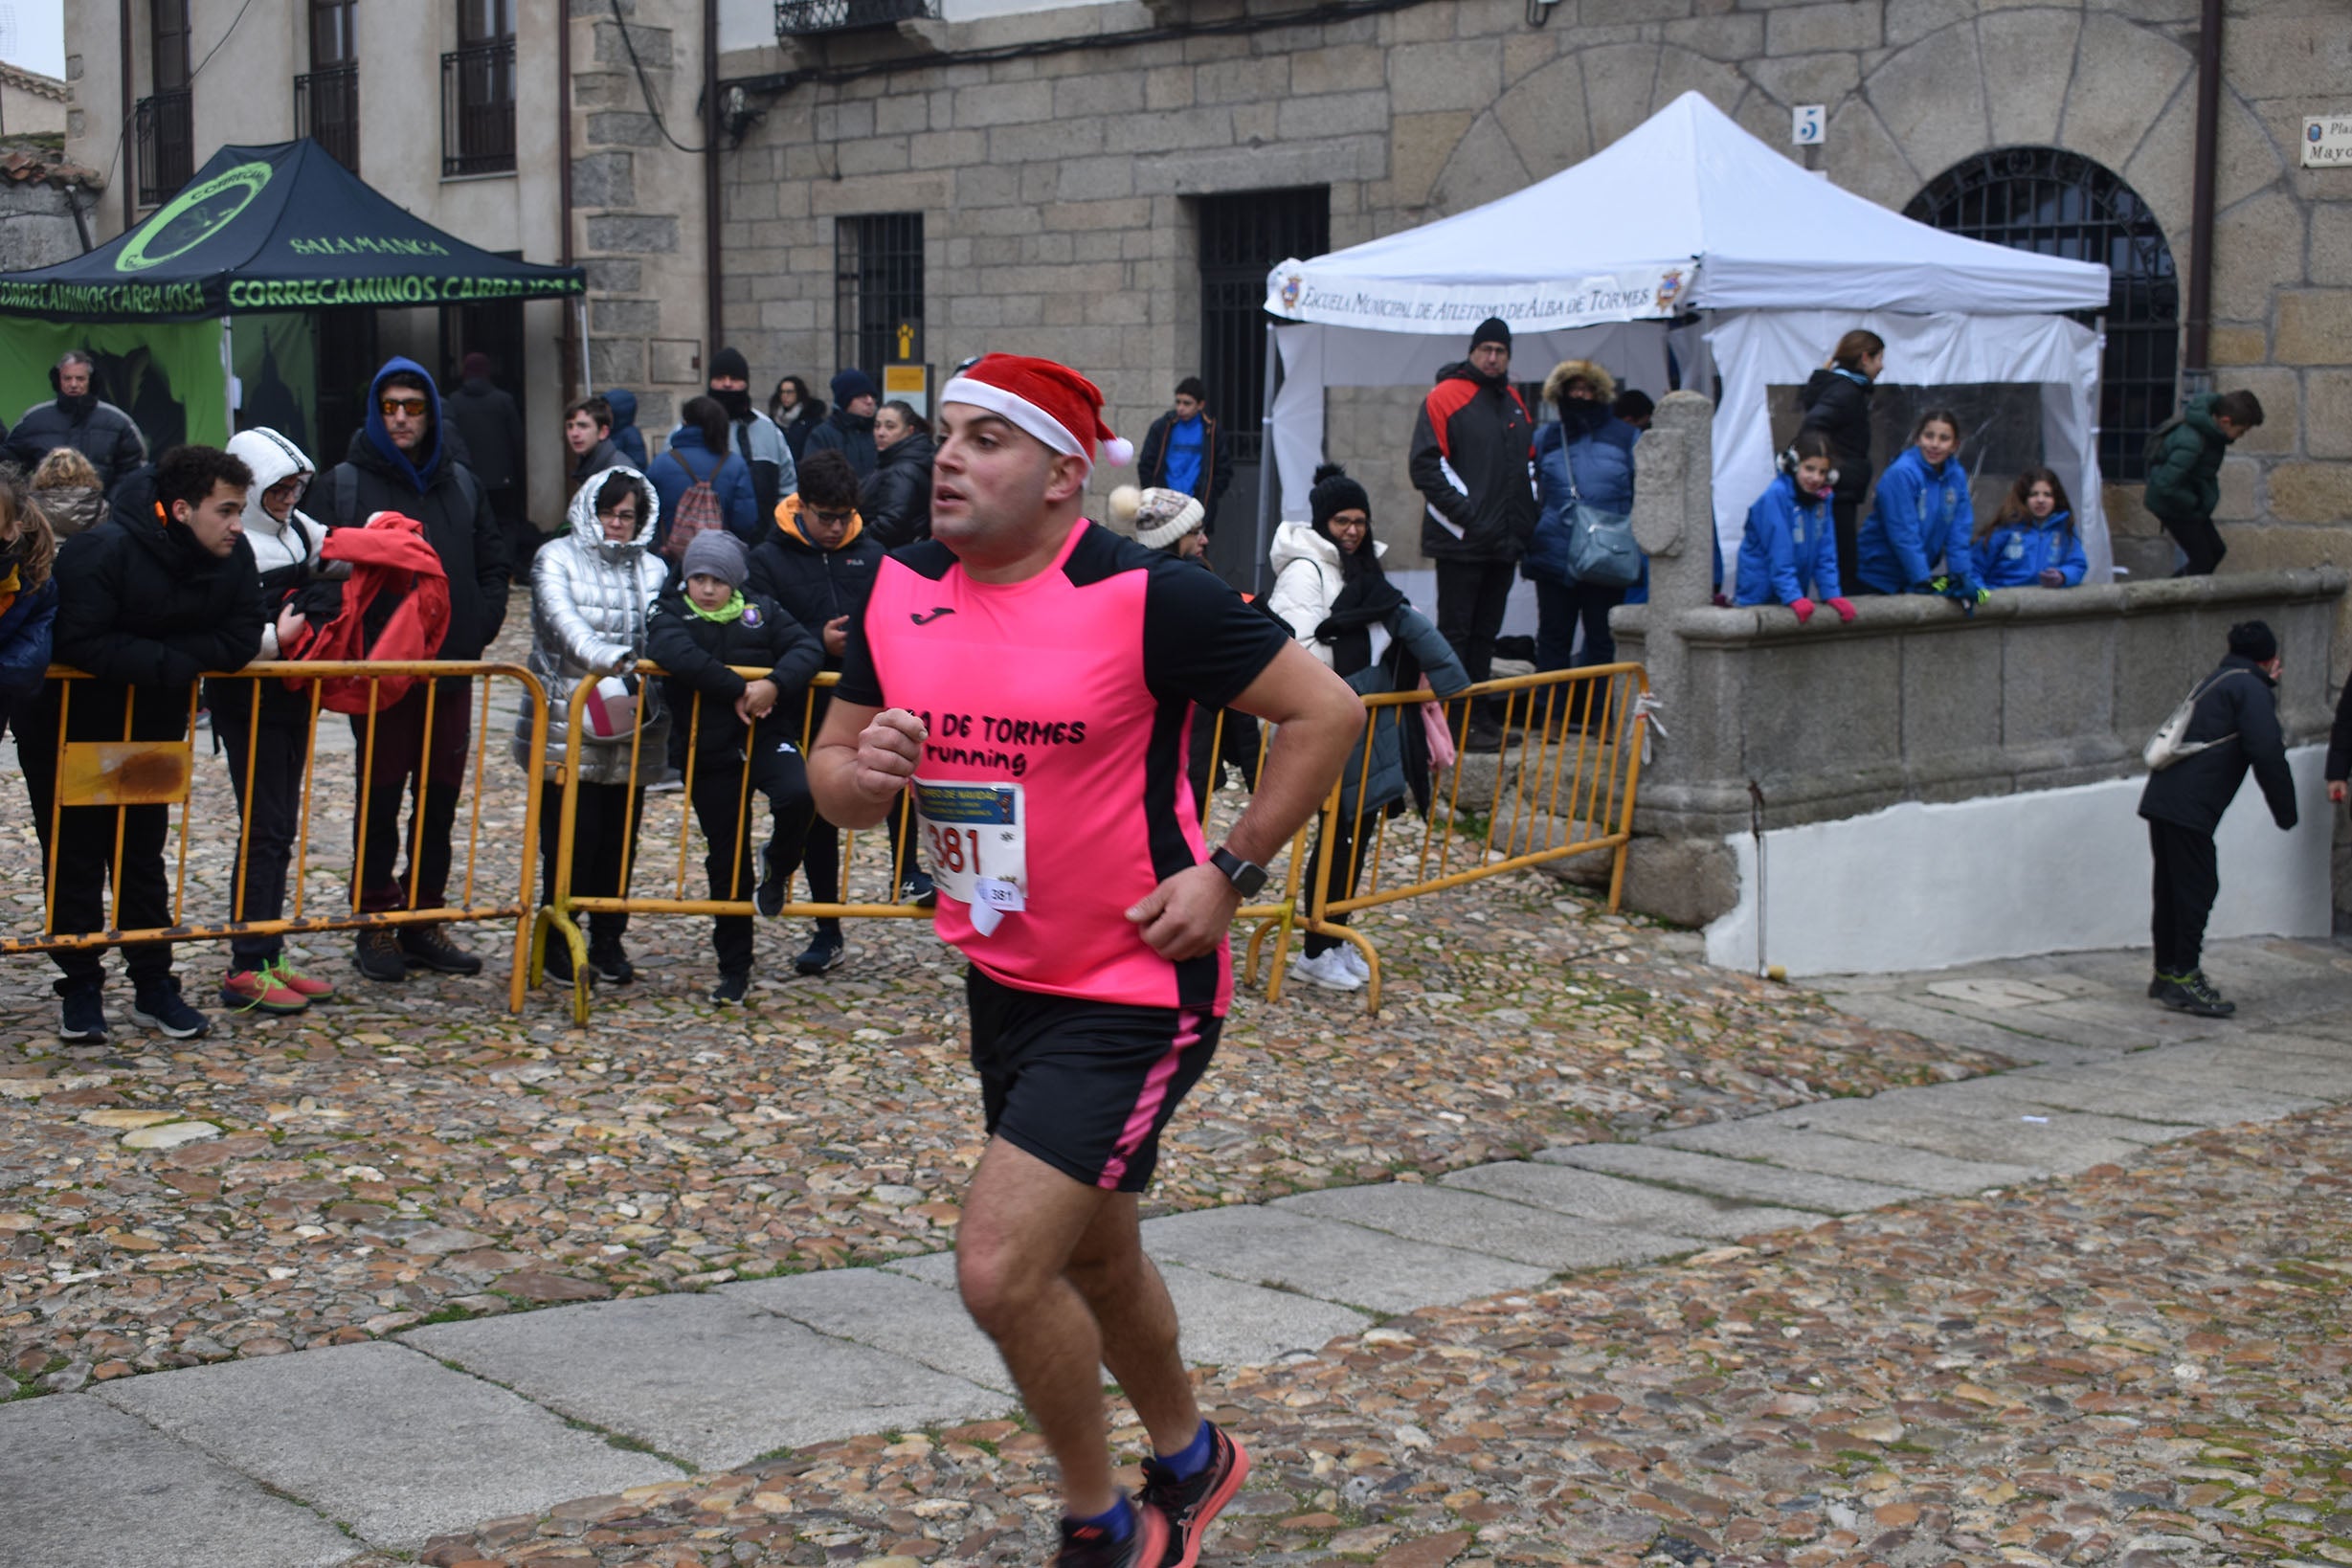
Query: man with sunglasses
{"type": "Point", "coordinates": [399, 462]}
{"type": "Point", "coordinates": [817, 562]}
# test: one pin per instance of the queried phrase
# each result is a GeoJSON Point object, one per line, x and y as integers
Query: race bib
{"type": "Point", "coordinates": [975, 840]}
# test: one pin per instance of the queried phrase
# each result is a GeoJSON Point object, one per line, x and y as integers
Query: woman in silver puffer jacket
{"type": "Point", "coordinates": [592, 589]}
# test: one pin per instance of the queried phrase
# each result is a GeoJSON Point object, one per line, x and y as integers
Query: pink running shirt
{"type": "Point", "coordinates": [1078, 685]}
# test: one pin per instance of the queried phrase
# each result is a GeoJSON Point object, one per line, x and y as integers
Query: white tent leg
{"type": "Point", "coordinates": [1266, 491]}
{"type": "Point", "coordinates": [579, 307]}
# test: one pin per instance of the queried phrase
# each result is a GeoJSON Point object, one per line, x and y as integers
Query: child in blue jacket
{"type": "Point", "coordinates": [2032, 543]}
{"type": "Point", "coordinates": [1789, 553]}
{"type": "Point", "coordinates": [1921, 524]}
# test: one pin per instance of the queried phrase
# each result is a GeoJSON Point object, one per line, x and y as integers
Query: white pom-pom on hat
{"type": "Point", "coordinates": [1124, 502]}
{"type": "Point", "coordinates": [1118, 451]}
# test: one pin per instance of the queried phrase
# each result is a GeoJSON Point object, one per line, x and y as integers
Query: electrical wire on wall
{"type": "Point", "coordinates": [646, 87]}
{"type": "Point", "coordinates": [130, 111]}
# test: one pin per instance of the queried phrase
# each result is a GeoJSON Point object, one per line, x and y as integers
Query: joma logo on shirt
{"type": "Point", "coordinates": [937, 610]}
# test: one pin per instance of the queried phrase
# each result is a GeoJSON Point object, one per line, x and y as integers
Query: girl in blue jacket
{"type": "Point", "coordinates": [1921, 523]}
{"type": "Point", "coordinates": [2032, 543]}
{"type": "Point", "coordinates": [1789, 553]}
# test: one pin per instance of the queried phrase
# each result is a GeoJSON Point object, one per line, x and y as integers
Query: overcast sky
{"type": "Point", "coordinates": [32, 35]}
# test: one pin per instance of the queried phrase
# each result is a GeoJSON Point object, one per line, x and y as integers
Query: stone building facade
{"type": "Point", "coordinates": [1062, 160]}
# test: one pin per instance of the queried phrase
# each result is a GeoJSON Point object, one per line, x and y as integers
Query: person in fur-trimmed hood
{"type": "Point", "coordinates": [1587, 457]}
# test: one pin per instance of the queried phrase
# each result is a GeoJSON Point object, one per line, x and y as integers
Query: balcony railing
{"type": "Point", "coordinates": [477, 109]}
{"type": "Point", "coordinates": [797, 19]}
{"type": "Point", "coordinates": [167, 144]}
{"type": "Point", "coordinates": [326, 110]}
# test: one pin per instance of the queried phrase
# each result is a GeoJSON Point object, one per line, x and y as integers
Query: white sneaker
{"type": "Point", "coordinates": [1356, 963]}
{"type": "Point", "coordinates": [1328, 970]}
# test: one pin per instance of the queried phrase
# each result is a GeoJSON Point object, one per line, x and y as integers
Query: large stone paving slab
{"type": "Point", "coordinates": [895, 1312]}
{"type": "Point", "coordinates": [1330, 1259]}
{"type": "Point", "coordinates": [2152, 1090]}
{"type": "Point", "coordinates": [1735, 1178]}
{"type": "Point", "coordinates": [1224, 1322]}
{"type": "Point", "coordinates": [1482, 1222]}
{"type": "Point", "coordinates": [84, 1484]}
{"type": "Point", "coordinates": [383, 1439]}
{"type": "Point", "coordinates": [1614, 1201]}
{"type": "Point", "coordinates": [1918, 1168]}
{"type": "Point", "coordinates": [2044, 1143]}
{"type": "Point", "coordinates": [712, 1380]}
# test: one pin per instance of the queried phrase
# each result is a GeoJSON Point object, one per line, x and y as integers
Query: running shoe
{"type": "Point", "coordinates": [1353, 957]}
{"type": "Point", "coordinates": [2194, 994]}
{"type": "Point", "coordinates": [610, 964]}
{"type": "Point", "coordinates": [768, 898]}
{"type": "Point", "coordinates": [257, 991]}
{"type": "Point", "coordinates": [308, 987]}
{"type": "Point", "coordinates": [918, 890]}
{"type": "Point", "coordinates": [428, 946]}
{"type": "Point", "coordinates": [730, 989]}
{"type": "Point", "coordinates": [1190, 1505]}
{"type": "Point", "coordinates": [825, 951]}
{"type": "Point", "coordinates": [1090, 1546]}
{"type": "Point", "coordinates": [162, 1008]}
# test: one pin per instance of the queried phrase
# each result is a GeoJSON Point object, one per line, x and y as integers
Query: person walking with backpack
{"type": "Point", "coordinates": [701, 484]}
{"type": "Point", "coordinates": [2232, 728]}
{"type": "Point", "coordinates": [397, 462]}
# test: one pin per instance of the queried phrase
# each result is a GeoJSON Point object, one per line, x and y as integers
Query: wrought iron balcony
{"type": "Point", "coordinates": [477, 109]}
{"type": "Point", "coordinates": [167, 144]}
{"type": "Point", "coordinates": [326, 110]}
{"type": "Point", "coordinates": [799, 18]}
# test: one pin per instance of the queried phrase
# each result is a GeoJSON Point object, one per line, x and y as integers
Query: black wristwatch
{"type": "Point", "coordinates": [1247, 876]}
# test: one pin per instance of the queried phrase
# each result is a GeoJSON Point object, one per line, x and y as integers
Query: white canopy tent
{"type": "Point", "coordinates": [1688, 212]}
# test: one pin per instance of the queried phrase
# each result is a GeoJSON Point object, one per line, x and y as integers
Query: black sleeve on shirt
{"type": "Point", "coordinates": [1201, 640]}
{"type": "Point", "coordinates": [859, 685]}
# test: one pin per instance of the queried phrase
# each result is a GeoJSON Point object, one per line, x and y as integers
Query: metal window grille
{"type": "Point", "coordinates": [797, 19]}
{"type": "Point", "coordinates": [326, 110]}
{"type": "Point", "coordinates": [2057, 203]}
{"type": "Point", "coordinates": [1242, 236]}
{"type": "Point", "coordinates": [878, 290]}
{"type": "Point", "coordinates": [167, 144]}
{"type": "Point", "coordinates": [477, 109]}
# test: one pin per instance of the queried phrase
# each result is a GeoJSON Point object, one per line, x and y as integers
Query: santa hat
{"type": "Point", "coordinates": [1051, 402]}
{"type": "Point", "coordinates": [1160, 517]}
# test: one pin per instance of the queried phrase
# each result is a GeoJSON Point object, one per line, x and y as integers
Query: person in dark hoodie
{"type": "Point", "coordinates": [630, 440]}
{"type": "Point", "coordinates": [758, 442]}
{"type": "Point", "coordinates": [700, 626]}
{"type": "Point", "coordinates": [486, 415]}
{"type": "Point", "coordinates": [2232, 727]}
{"type": "Point", "coordinates": [397, 462]}
{"type": "Point", "coordinates": [162, 590]}
{"type": "Point", "coordinates": [1836, 401]}
{"type": "Point", "coordinates": [896, 497]}
{"type": "Point", "coordinates": [1471, 446]}
{"type": "Point", "coordinates": [818, 564]}
{"type": "Point", "coordinates": [79, 418]}
{"type": "Point", "coordinates": [849, 429]}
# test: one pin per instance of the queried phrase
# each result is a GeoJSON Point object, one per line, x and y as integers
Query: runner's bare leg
{"type": "Point", "coordinates": [1138, 1323]}
{"type": "Point", "coordinates": [1023, 1220]}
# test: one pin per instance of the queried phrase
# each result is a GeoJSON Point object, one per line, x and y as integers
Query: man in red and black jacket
{"type": "Point", "coordinates": [1472, 447]}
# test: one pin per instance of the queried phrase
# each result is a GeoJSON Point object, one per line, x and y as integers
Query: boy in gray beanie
{"type": "Point", "coordinates": [700, 626]}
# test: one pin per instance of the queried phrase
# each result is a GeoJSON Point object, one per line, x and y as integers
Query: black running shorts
{"type": "Point", "coordinates": [1085, 1086]}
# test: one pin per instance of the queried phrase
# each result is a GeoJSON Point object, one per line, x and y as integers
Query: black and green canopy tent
{"type": "Point", "coordinates": [270, 233]}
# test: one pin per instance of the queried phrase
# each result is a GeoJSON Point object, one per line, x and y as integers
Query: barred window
{"type": "Point", "coordinates": [877, 291]}
{"type": "Point", "coordinates": [2058, 202]}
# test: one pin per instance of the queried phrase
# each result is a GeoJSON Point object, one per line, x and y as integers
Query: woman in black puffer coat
{"type": "Point", "coordinates": [1837, 402]}
{"type": "Point", "coordinates": [896, 500]}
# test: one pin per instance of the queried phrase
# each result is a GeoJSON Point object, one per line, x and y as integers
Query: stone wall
{"type": "Point", "coordinates": [1056, 187]}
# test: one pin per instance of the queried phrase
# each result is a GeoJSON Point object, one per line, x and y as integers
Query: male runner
{"type": "Point", "coordinates": [1030, 676]}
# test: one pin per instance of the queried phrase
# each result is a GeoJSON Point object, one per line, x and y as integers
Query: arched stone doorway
{"type": "Point", "coordinates": [2060, 203]}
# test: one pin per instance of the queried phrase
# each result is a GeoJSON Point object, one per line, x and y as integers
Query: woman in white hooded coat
{"type": "Point", "coordinates": [592, 589]}
{"type": "Point", "coordinates": [263, 727]}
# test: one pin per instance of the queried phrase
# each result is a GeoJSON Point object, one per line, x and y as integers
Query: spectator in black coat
{"type": "Point", "coordinates": [1837, 402]}
{"type": "Point", "coordinates": [162, 590]}
{"type": "Point", "coordinates": [79, 418]}
{"type": "Point", "coordinates": [699, 627]}
{"type": "Point", "coordinates": [896, 497]}
{"type": "Point", "coordinates": [849, 429]}
{"type": "Point", "coordinates": [397, 462]}
{"type": "Point", "coordinates": [1185, 450]}
{"type": "Point", "coordinates": [490, 423]}
{"type": "Point", "coordinates": [819, 562]}
{"type": "Point", "coordinates": [794, 412]}
{"type": "Point", "coordinates": [2233, 728]}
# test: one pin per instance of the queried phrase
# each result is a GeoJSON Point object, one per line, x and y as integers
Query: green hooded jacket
{"type": "Point", "coordinates": [2184, 473]}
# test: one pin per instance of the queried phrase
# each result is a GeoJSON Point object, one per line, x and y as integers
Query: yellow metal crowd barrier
{"type": "Point", "coordinates": [1566, 787]}
{"type": "Point", "coordinates": [131, 773]}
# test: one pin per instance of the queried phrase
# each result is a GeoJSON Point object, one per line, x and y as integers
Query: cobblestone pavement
{"type": "Point", "coordinates": [412, 1152]}
{"type": "Point", "coordinates": [2141, 1366]}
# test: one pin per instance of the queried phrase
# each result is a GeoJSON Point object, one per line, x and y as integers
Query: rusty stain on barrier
{"type": "Point", "coordinates": [124, 773]}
